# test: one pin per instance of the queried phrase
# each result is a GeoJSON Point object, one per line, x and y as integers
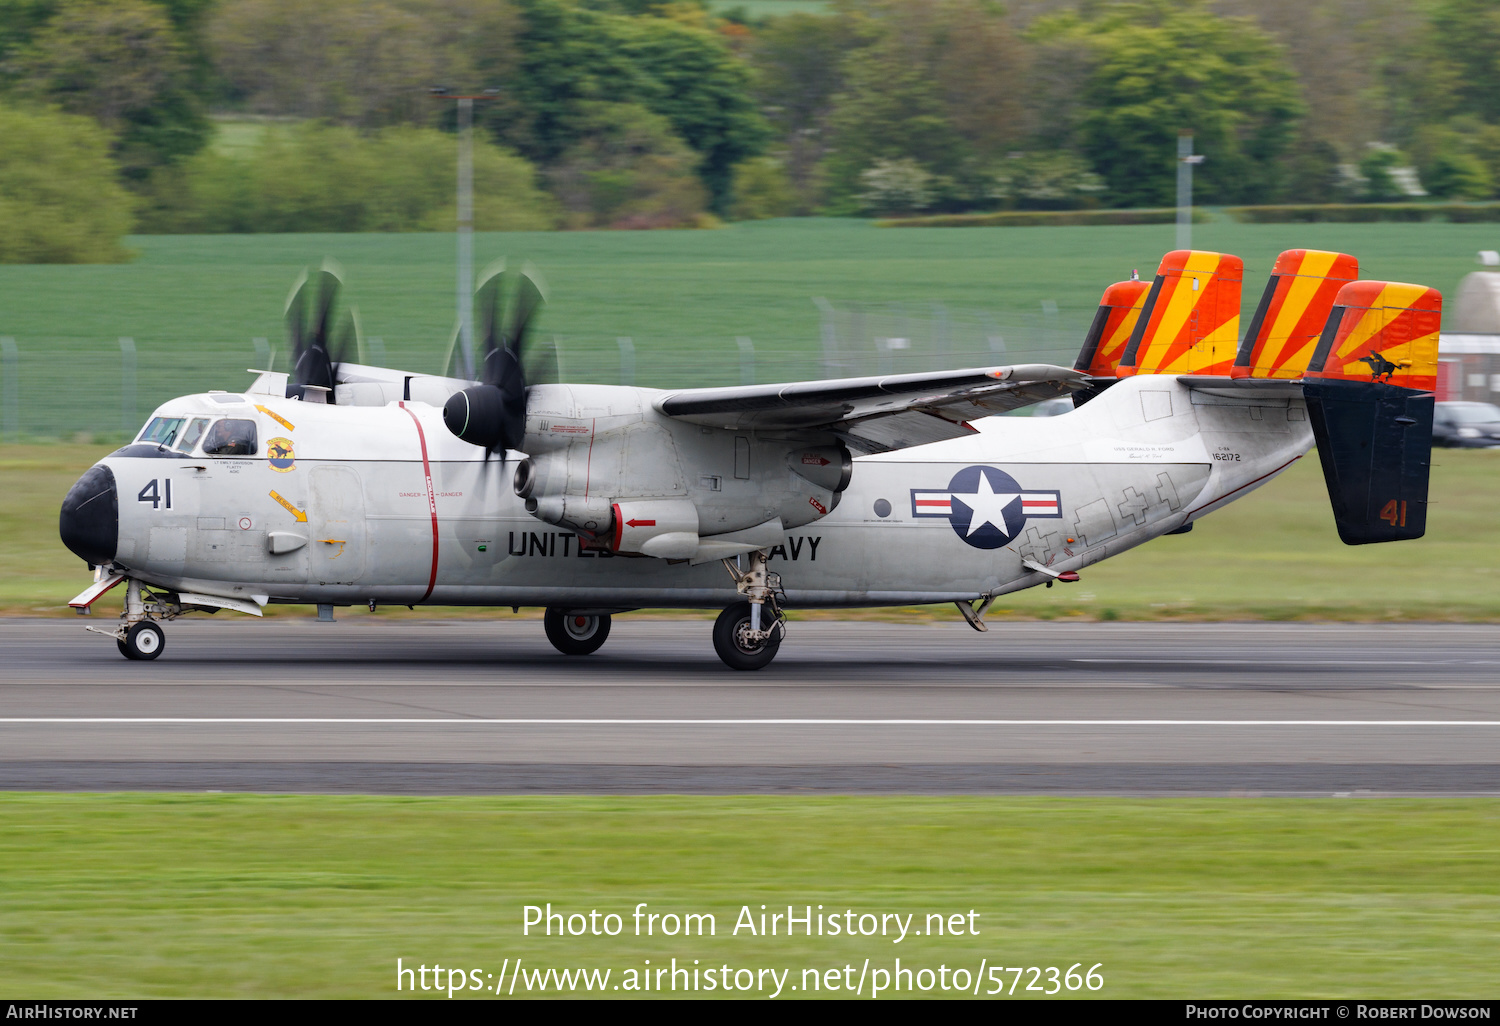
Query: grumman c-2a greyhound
{"type": "Point", "coordinates": [341, 483]}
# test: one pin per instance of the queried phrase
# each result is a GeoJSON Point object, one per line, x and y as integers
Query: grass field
{"type": "Point", "coordinates": [193, 303]}
{"type": "Point", "coordinates": [1272, 555]}
{"type": "Point", "coordinates": [235, 896]}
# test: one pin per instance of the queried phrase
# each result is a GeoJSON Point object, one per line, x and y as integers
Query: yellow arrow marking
{"type": "Point", "coordinates": [293, 510]}
{"type": "Point", "coordinates": [278, 418]}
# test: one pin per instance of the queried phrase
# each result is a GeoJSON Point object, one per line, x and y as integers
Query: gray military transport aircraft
{"type": "Point", "coordinates": [338, 483]}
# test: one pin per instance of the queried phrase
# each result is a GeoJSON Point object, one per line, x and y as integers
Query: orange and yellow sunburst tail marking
{"type": "Point", "coordinates": [1191, 323]}
{"type": "Point", "coordinates": [1293, 312]}
{"type": "Point", "coordinates": [1382, 331]}
{"type": "Point", "coordinates": [1113, 324]}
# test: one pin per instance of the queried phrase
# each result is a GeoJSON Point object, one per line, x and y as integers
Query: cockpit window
{"type": "Point", "coordinates": [162, 431]}
{"type": "Point", "coordinates": [191, 435]}
{"type": "Point", "coordinates": [231, 438]}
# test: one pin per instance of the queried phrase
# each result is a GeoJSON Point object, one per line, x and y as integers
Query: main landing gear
{"type": "Point", "coordinates": [575, 633]}
{"type": "Point", "coordinates": [747, 634]}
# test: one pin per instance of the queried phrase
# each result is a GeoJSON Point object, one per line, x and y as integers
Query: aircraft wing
{"type": "Point", "coordinates": [877, 414]}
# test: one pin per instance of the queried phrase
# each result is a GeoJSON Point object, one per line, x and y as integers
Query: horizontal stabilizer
{"type": "Point", "coordinates": [1292, 312]}
{"type": "Point", "coordinates": [1191, 320]}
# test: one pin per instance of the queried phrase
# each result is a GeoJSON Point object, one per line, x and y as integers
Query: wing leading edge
{"type": "Point", "coordinates": [877, 414]}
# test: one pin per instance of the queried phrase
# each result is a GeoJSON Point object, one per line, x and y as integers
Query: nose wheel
{"type": "Point", "coordinates": [144, 640]}
{"type": "Point", "coordinates": [574, 633]}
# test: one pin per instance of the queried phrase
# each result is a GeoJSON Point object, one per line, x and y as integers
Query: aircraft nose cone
{"type": "Point", "coordinates": [90, 519]}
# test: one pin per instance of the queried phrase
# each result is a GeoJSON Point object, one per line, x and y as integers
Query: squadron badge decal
{"type": "Point", "coordinates": [280, 455]}
{"type": "Point", "coordinates": [984, 506]}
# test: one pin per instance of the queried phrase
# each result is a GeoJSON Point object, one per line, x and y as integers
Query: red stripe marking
{"type": "Point", "coordinates": [431, 503]}
{"type": "Point", "coordinates": [1242, 487]}
{"type": "Point", "coordinates": [588, 467]}
{"type": "Point", "coordinates": [97, 597]}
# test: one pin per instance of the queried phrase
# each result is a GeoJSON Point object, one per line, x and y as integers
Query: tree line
{"type": "Point", "coordinates": [658, 113]}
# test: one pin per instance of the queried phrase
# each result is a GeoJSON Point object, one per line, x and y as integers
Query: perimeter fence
{"type": "Point", "coordinates": [101, 390]}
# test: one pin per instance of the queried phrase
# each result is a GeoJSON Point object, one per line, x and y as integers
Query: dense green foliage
{"type": "Point", "coordinates": [571, 58]}
{"type": "Point", "coordinates": [626, 169]}
{"type": "Point", "coordinates": [59, 200]}
{"type": "Point", "coordinates": [314, 177]}
{"type": "Point", "coordinates": [1163, 68]}
{"type": "Point", "coordinates": [123, 63]}
{"type": "Point", "coordinates": [881, 107]}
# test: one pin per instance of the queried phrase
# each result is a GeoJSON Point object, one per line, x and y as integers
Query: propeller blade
{"type": "Point", "coordinates": [493, 413]}
{"type": "Point", "coordinates": [540, 361]}
{"type": "Point", "coordinates": [488, 300]}
{"type": "Point", "coordinates": [526, 303]}
{"type": "Point", "coordinates": [319, 340]}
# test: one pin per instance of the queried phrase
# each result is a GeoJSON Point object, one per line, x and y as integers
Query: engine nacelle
{"type": "Point", "coordinates": [828, 466]}
{"type": "Point", "coordinates": [667, 528]}
{"type": "Point", "coordinates": [601, 457]}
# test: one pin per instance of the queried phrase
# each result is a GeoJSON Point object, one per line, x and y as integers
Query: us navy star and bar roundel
{"type": "Point", "coordinates": [985, 507]}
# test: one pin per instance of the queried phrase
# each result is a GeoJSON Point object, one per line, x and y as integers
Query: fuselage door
{"type": "Point", "coordinates": [336, 524]}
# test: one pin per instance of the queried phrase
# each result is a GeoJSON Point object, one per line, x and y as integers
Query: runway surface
{"type": "Point", "coordinates": [384, 706]}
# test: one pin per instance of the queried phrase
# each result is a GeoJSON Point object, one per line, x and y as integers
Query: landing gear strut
{"type": "Point", "coordinates": [139, 636]}
{"type": "Point", "coordinates": [747, 634]}
{"type": "Point", "coordinates": [575, 633]}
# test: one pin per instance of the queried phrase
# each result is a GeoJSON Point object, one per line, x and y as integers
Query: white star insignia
{"type": "Point", "coordinates": [988, 506]}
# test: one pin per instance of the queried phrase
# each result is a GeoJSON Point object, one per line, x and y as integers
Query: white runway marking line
{"type": "Point", "coordinates": [449, 721]}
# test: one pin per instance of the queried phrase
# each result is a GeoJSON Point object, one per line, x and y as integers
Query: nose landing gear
{"type": "Point", "coordinates": [139, 636]}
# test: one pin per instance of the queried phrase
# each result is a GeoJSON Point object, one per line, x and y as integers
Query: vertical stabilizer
{"type": "Point", "coordinates": [1369, 400]}
{"type": "Point", "coordinates": [1191, 320]}
{"type": "Point", "coordinates": [1292, 313]}
{"type": "Point", "coordinates": [1113, 325]}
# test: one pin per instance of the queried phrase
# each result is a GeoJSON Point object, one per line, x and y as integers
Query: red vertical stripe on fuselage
{"type": "Point", "coordinates": [431, 503]}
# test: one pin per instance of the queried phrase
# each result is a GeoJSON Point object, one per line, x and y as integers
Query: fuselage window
{"type": "Point", "coordinates": [162, 431]}
{"type": "Point", "coordinates": [192, 434]}
{"type": "Point", "coordinates": [231, 438]}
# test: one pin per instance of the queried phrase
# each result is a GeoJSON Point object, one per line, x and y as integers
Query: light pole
{"type": "Point", "coordinates": [465, 283]}
{"type": "Point", "coordinates": [1186, 158]}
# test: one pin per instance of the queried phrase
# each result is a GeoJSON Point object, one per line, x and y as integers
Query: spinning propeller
{"type": "Point", "coordinates": [320, 340]}
{"type": "Point", "coordinates": [492, 414]}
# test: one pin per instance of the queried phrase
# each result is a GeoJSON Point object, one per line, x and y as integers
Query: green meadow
{"type": "Point", "coordinates": [134, 896]}
{"type": "Point", "coordinates": [193, 304]}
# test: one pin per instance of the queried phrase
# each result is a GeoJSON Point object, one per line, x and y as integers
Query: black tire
{"type": "Point", "coordinates": [143, 641]}
{"type": "Point", "coordinates": [735, 655]}
{"type": "Point", "coordinates": [120, 644]}
{"type": "Point", "coordinates": [575, 635]}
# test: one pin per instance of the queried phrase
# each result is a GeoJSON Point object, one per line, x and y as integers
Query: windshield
{"type": "Point", "coordinates": [192, 434]}
{"type": "Point", "coordinates": [162, 431]}
{"type": "Point", "coordinates": [1472, 413]}
{"type": "Point", "coordinates": [231, 438]}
